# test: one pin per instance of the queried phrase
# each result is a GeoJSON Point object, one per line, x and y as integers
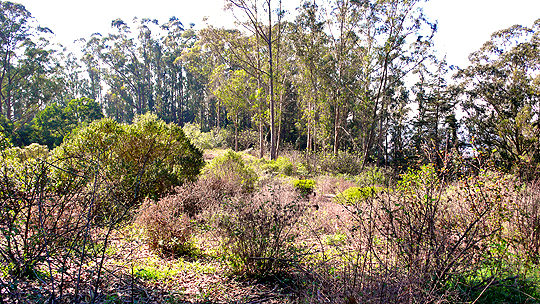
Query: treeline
{"type": "Point", "coordinates": [356, 76]}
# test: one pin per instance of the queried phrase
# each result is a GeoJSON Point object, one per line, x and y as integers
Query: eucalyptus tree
{"type": "Point", "coordinates": [285, 91]}
{"type": "Point", "coordinates": [127, 66]}
{"type": "Point", "coordinates": [144, 70]}
{"type": "Point", "coordinates": [175, 41]}
{"type": "Point", "coordinates": [310, 46]}
{"type": "Point", "coordinates": [395, 38]}
{"type": "Point", "coordinates": [199, 62]}
{"type": "Point", "coordinates": [73, 77]}
{"type": "Point", "coordinates": [254, 11]}
{"type": "Point", "coordinates": [26, 64]}
{"type": "Point", "coordinates": [502, 98]}
{"type": "Point", "coordinates": [339, 70]}
{"type": "Point", "coordinates": [91, 50]}
{"type": "Point", "coordinates": [353, 59]}
{"type": "Point", "coordinates": [237, 50]}
{"type": "Point", "coordinates": [236, 95]}
{"type": "Point", "coordinates": [435, 126]}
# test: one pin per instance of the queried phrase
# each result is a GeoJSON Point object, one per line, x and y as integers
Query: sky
{"type": "Point", "coordinates": [463, 25]}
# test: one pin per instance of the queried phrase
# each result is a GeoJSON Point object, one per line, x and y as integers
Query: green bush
{"type": "Point", "coordinates": [342, 163]}
{"type": "Point", "coordinates": [231, 169]}
{"type": "Point", "coordinates": [216, 138]}
{"type": "Point", "coordinates": [145, 159]}
{"type": "Point", "coordinates": [281, 165]}
{"type": "Point", "coordinates": [304, 186]}
{"type": "Point", "coordinates": [371, 176]}
{"type": "Point", "coordinates": [354, 195]}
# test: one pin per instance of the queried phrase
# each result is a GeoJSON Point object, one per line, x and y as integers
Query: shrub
{"type": "Point", "coordinates": [342, 163]}
{"type": "Point", "coordinates": [167, 227]}
{"type": "Point", "coordinates": [145, 159]}
{"type": "Point", "coordinates": [168, 222]}
{"type": "Point", "coordinates": [281, 165]}
{"type": "Point", "coordinates": [304, 186]}
{"type": "Point", "coordinates": [371, 176]}
{"type": "Point", "coordinates": [215, 138]}
{"type": "Point", "coordinates": [355, 195]}
{"type": "Point", "coordinates": [38, 223]}
{"type": "Point", "coordinates": [527, 223]}
{"type": "Point", "coordinates": [259, 231]}
{"type": "Point", "coordinates": [5, 142]}
{"type": "Point", "coordinates": [231, 169]}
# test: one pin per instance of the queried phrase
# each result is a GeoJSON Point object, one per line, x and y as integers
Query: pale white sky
{"type": "Point", "coordinates": [464, 25]}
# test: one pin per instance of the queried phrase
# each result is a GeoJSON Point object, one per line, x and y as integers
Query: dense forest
{"type": "Point", "coordinates": [362, 167]}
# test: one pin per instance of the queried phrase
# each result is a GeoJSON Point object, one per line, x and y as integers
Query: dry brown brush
{"type": "Point", "coordinates": [428, 241]}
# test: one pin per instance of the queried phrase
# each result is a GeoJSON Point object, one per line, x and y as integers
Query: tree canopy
{"type": "Point", "coordinates": [352, 76]}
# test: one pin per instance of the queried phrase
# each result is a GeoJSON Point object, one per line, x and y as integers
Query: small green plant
{"type": "Point", "coordinates": [335, 239]}
{"type": "Point", "coordinates": [304, 186]}
{"type": "Point", "coordinates": [302, 170]}
{"type": "Point", "coordinates": [354, 195]}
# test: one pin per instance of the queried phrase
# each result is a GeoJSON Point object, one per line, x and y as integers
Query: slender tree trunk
{"type": "Point", "coordinates": [271, 76]}
{"type": "Point", "coordinates": [261, 123]}
{"type": "Point", "coordinates": [218, 114]}
{"type": "Point", "coordinates": [280, 120]}
{"type": "Point", "coordinates": [309, 146]}
{"type": "Point", "coordinates": [336, 129]}
{"type": "Point", "coordinates": [236, 135]}
{"type": "Point", "coordinates": [259, 87]}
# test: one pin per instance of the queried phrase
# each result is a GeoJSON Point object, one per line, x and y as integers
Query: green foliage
{"type": "Point", "coordinates": [53, 123]}
{"type": "Point", "coordinates": [5, 142]}
{"type": "Point", "coordinates": [304, 186]}
{"type": "Point", "coordinates": [205, 140]}
{"type": "Point", "coordinates": [281, 165]}
{"type": "Point", "coordinates": [504, 290]}
{"type": "Point", "coordinates": [355, 195]}
{"type": "Point", "coordinates": [371, 176]}
{"type": "Point", "coordinates": [422, 180]}
{"type": "Point", "coordinates": [145, 159]}
{"type": "Point", "coordinates": [231, 169]}
{"type": "Point", "coordinates": [18, 133]}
